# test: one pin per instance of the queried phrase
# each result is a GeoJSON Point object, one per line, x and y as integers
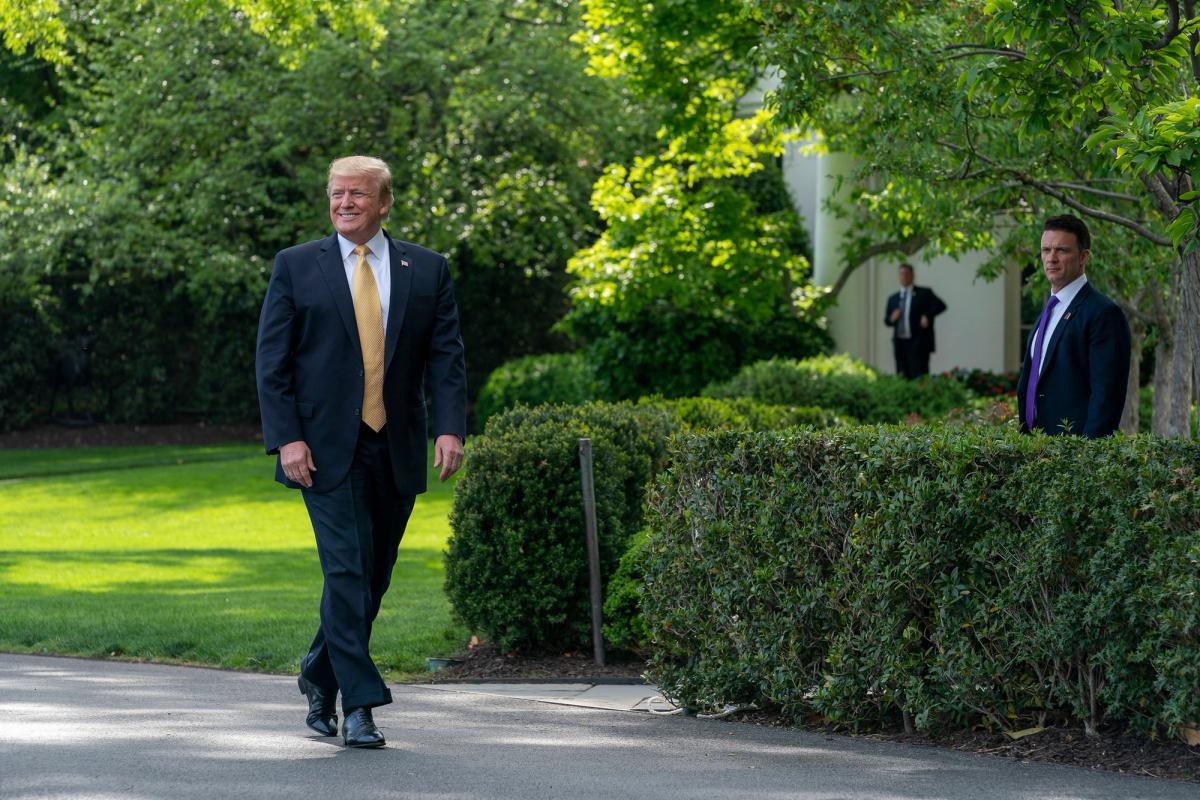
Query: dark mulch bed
{"type": "Point", "coordinates": [1110, 751]}
{"type": "Point", "coordinates": [81, 435]}
{"type": "Point", "coordinates": [485, 662]}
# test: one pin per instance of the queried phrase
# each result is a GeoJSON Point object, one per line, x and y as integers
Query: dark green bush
{"type": "Point", "coordinates": [845, 386]}
{"type": "Point", "coordinates": [958, 575]}
{"type": "Point", "coordinates": [624, 626]}
{"type": "Point", "coordinates": [676, 354]}
{"type": "Point", "coordinates": [516, 568]}
{"type": "Point", "coordinates": [25, 355]}
{"type": "Point", "coordinates": [698, 414]}
{"type": "Point", "coordinates": [553, 378]}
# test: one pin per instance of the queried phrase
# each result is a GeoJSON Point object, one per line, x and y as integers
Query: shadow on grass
{"type": "Point", "coordinates": [223, 606]}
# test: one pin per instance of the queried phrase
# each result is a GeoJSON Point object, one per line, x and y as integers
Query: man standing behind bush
{"type": "Point", "coordinates": [910, 314]}
{"type": "Point", "coordinates": [1076, 367]}
{"type": "Point", "coordinates": [349, 327]}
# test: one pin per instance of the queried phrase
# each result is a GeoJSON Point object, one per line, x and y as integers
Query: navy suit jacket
{"type": "Point", "coordinates": [1085, 369]}
{"type": "Point", "coordinates": [924, 302]}
{"type": "Point", "coordinates": [309, 363]}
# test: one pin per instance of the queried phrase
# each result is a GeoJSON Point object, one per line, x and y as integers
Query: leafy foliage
{"type": "Point", "coordinates": [553, 378]}
{"type": "Point", "coordinates": [183, 145]}
{"type": "Point", "coordinates": [845, 386]}
{"type": "Point", "coordinates": [702, 264]}
{"type": "Point", "coordinates": [698, 414]}
{"type": "Point", "coordinates": [865, 573]}
{"type": "Point", "coordinates": [516, 568]}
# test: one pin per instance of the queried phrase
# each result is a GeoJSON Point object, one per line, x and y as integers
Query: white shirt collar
{"type": "Point", "coordinates": [376, 244]}
{"type": "Point", "coordinates": [1066, 294]}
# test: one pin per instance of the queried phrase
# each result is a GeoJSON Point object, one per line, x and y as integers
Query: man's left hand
{"type": "Point", "coordinates": [924, 321]}
{"type": "Point", "coordinates": [447, 454]}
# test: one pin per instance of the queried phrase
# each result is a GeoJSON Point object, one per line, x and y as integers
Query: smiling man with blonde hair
{"type": "Point", "coordinates": [350, 326]}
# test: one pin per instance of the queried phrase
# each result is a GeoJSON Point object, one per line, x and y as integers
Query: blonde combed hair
{"type": "Point", "coordinates": [354, 166]}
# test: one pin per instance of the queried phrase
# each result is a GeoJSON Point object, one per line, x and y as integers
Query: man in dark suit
{"type": "Point", "coordinates": [350, 326]}
{"type": "Point", "coordinates": [910, 314]}
{"type": "Point", "coordinates": [1076, 366]}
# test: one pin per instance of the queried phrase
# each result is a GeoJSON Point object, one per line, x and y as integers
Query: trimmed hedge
{"type": "Point", "coordinates": [516, 568]}
{"type": "Point", "coordinates": [742, 414]}
{"type": "Point", "coordinates": [844, 386]}
{"type": "Point", "coordinates": [957, 576]}
{"type": "Point", "coordinates": [554, 378]}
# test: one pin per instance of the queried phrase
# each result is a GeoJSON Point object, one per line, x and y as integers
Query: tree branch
{"type": "Point", "coordinates": [906, 246]}
{"type": "Point", "coordinates": [1016, 55]}
{"type": "Point", "coordinates": [1189, 8]}
{"type": "Point", "coordinates": [1161, 194]}
{"type": "Point", "coordinates": [1172, 27]}
{"type": "Point", "coordinates": [1062, 197]}
{"type": "Point", "coordinates": [1080, 187]}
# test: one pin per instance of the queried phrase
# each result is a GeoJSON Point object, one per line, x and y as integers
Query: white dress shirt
{"type": "Point", "coordinates": [380, 263]}
{"type": "Point", "coordinates": [905, 329]}
{"type": "Point", "coordinates": [1065, 296]}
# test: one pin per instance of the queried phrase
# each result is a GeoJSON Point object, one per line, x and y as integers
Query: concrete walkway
{"type": "Point", "coordinates": [96, 729]}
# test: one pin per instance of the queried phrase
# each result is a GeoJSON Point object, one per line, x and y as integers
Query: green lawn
{"type": "Point", "coordinates": [191, 554]}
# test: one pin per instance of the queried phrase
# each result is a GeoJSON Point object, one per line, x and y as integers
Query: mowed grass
{"type": "Point", "coordinates": [199, 557]}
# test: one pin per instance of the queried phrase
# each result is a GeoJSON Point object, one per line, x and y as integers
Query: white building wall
{"type": "Point", "coordinates": [981, 326]}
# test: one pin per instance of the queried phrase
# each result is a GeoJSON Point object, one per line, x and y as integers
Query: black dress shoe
{"type": "Point", "coordinates": [322, 708]}
{"type": "Point", "coordinates": [360, 730]}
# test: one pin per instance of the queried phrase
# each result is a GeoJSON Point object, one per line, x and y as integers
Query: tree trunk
{"type": "Point", "coordinates": [1164, 352]}
{"type": "Point", "coordinates": [1183, 360]}
{"type": "Point", "coordinates": [1129, 417]}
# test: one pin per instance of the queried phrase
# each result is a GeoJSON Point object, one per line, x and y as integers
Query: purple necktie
{"type": "Point", "coordinates": [1035, 366]}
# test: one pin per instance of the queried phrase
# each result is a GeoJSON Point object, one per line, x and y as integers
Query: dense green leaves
{"type": "Point", "coordinates": [960, 576]}
{"type": "Point", "coordinates": [176, 154]}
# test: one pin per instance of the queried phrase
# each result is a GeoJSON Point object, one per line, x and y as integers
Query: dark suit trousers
{"type": "Point", "coordinates": [358, 526]}
{"type": "Point", "coordinates": [912, 357]}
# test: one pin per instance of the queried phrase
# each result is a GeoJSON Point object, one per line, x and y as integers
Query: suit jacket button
{"type": "Point", "coordinates": [361, 373]}
{"type": "Point", "coordinates": [357, 411]}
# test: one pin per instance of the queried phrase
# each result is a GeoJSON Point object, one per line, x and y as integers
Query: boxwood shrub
{"type": "Point", "coordinates": [844, 386]}
{"type": "Point", "coordinates": [697, 414]}
{"type": "Point", "coordinates": [516, 568]}
{"type": "Point", "coordinates": [954, 575]}
{"type": "Point", "coordinates": [554, 378]}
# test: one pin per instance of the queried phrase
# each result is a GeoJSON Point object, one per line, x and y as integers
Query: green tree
{"type": "Point", "coordinates": [977, 115]}
{"type": "Point", "coordinates": [189, 148]}
{"type": "Point", "coordinates": [702, 264]}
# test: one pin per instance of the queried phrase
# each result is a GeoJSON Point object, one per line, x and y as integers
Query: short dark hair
{"type": "Point", "coordinates": [908, 267]}
{"type": "Point", "coordinates": [1071, 224]}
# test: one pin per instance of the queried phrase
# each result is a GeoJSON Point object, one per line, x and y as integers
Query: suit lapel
{"type": "Point", "coordinates": [334, 272]}
{"type": "Point", "coordinates": [401, 282]}
{"type": "Point", "coordinates": [1068, 317]}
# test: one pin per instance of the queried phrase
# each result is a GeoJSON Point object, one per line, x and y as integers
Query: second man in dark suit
{"type": "Point", "coordinates": [910, 313]}
{"type": "Point", "coordinates": [1076, 365]}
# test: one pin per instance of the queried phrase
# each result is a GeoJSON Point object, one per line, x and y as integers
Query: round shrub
{"type": "Point", "coordinates": [516, 568]}
{"type": "Point", "coordinates": [624, 626]}
{"type": "Point", "coordinates": [534, 380]}
{"type": "Point", "coordinates": [697, 414]}
{"type": "Point", "coordinates": [845, 386]}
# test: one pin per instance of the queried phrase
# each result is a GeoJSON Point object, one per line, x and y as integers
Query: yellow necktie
{"type": "Point", "coordinates": [369, 314]}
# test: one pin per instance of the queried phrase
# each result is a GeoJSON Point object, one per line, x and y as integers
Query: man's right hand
{"type": "Point", "coordinates": [297, 463]}
{"type": "Point", "coordinates": [896, 315]}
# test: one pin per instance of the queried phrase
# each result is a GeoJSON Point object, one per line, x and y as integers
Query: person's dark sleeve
{"type": "Point", "coordinates": [1109, 343]}
{"type": "Point", "coordinates": [447, 364]}
{"type": "Point", "coordinates": [887, 312]}
{"type": "Point", "coordinates": [936, 306]}
{"type": "Point", "coordinates": [273, 368]}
